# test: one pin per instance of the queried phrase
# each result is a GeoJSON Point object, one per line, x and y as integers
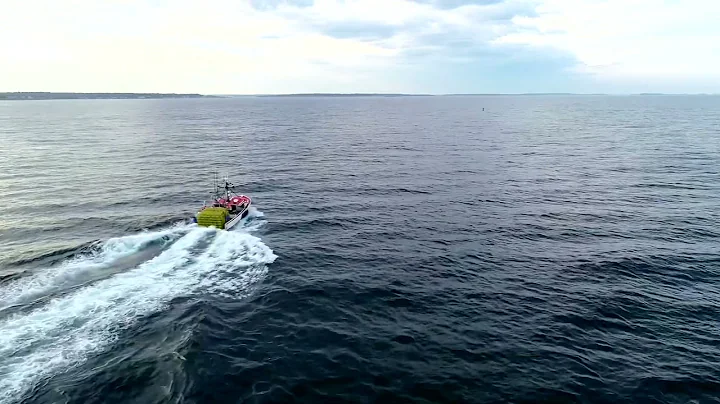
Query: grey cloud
{"type": "Point", "coordinates": [272, 4]}
{"type": "Point", "coordinates": [428, 39]}
{"type": "Point", "coordinates": [450, 4]}
{"type": "Point", "coordinates": [358, 30]}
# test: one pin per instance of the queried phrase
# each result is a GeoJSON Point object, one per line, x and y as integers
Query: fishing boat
{"type": "Point", "coordinates": [226, 209]}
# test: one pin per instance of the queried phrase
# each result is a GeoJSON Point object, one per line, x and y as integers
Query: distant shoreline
{"type": "Point", "coordinates": [26, 96]}
{"type": "Point", "coordinates": [342, 95]}
{"type": "Point", "coordinates": [350, 95]}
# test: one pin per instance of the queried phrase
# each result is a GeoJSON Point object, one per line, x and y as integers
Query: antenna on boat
{"type": "Point", "coordinates": [228, 186]}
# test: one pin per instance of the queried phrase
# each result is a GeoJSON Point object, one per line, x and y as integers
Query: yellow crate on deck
{"type": "Point", "coordinates": [212, 217]}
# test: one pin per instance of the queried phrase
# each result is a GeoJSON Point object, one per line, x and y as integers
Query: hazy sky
{"type": "Point", "coordinates": [428, 46]}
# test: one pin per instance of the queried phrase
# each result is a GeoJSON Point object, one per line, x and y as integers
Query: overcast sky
{"type": "Point", "coordinates": [428, 46]}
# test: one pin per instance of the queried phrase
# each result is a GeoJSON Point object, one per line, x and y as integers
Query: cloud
{"type": "Point", "coordinates": [276, 46]}
{"type": "Point", "coordinates": [656, 40]}
{"type": "Point", "coordinates": [414, 29]}
{"type": "Point", "coordinates": [450, 4]}
{"type": "Point", "coordinates": [222, 46]}
{"type": "Point", "coordinates": [215, 46]}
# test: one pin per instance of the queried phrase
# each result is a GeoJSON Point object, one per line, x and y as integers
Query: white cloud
{"type": "Point", "coordinates": [628, 39]}
{"type": "Point", "coordinates": [228, 46]}
{"type": "Point", "coordinates": [216, 46]}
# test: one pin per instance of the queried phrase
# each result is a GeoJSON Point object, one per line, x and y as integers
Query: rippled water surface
{"type": "Point", "coordinates": [546, 249]}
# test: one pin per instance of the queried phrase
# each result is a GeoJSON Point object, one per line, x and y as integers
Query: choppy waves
{"type": "Point", "coordinates": [546, 249]}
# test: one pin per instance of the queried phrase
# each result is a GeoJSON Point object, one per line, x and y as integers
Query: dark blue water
{"type": "Point", "coordinates": [547, 249]}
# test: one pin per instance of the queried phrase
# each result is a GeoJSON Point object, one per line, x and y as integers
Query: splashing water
{"type": "Point", "coordinates": [63, 333]}
{"type": "Point", "coordinates": [44, 281]}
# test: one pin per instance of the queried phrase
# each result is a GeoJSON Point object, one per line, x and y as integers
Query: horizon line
{"type": "Point", "coordinates": [339, 94]}
{"type": "Point", "coordinates": [443, 94]}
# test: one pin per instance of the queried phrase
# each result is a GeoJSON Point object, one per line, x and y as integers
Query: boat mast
{"type": "Point", "coordinates": [228, 185]}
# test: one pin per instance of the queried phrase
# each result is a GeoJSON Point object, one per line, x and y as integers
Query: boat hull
{"type": "Point", "coordinates": [235, 218]}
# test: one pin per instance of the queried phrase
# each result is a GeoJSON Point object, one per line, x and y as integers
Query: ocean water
{"type": "Point", "coordinates": [414, 250]}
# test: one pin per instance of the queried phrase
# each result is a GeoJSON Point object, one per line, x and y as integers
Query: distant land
{"type": "Point", "coordinates": [381, 95]}
{"type": "Point", "coordinates": [20, 96]}
{"type": "Point", "coordinates": [449, 95]}
{"type": "Point", "coordinates": [92, 96]}
{"type": "Point", "coordinates": [516, 94]}
{"type": "Point", "coordinates": [343, 95]}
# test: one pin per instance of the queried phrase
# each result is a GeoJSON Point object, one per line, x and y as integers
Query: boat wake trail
{"type": "Point", "coordinates": [105, 257]}
{"type": "Point", "coordinates": [61, 334]}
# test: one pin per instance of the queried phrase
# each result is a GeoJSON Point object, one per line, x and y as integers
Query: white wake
{"type": "Point", "coordinates": [45, 280]}
{"type": "Point", "coordinates": [68, 329]}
